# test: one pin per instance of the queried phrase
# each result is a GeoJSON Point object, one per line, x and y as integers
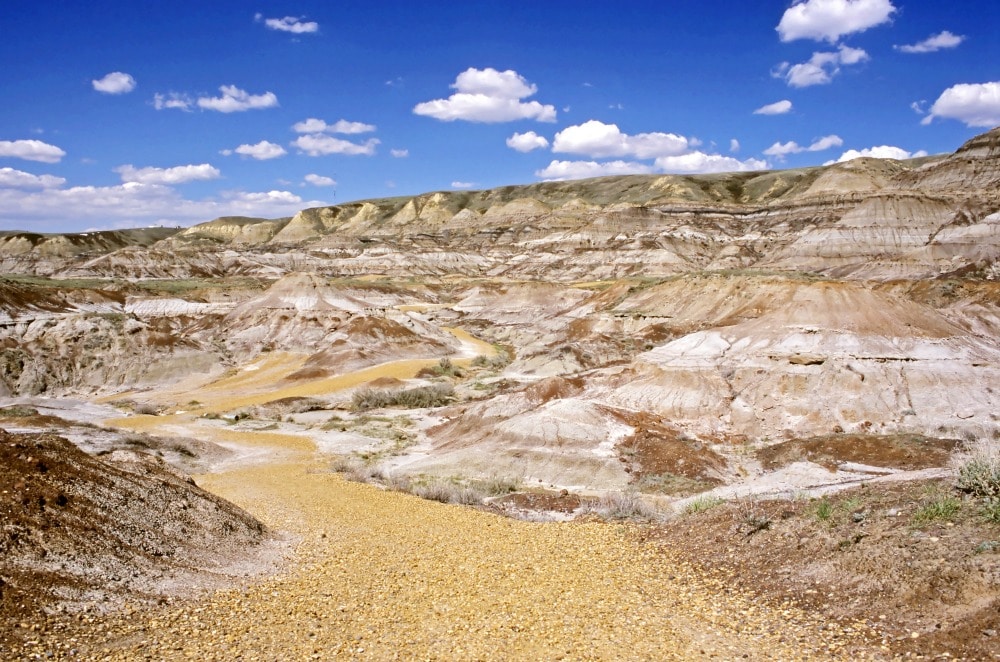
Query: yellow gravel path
{"type": "Point", "coordinates": [381, 575]}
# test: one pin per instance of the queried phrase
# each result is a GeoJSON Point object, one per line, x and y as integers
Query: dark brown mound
{"type": "Point", "coordinates": [897, 451]}
{"type": "Point", "coordinates": [79, 532]}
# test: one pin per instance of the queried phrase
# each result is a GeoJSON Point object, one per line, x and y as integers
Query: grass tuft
{"type": "Point", "coordinates": [702, 504]}
{"type": "Point", "coordinates": [940, 507]}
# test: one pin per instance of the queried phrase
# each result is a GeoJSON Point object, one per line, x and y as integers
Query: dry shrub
{"type": "Point", "coordinates": [435, 395]}
{"type": "Point", "coordinates": [624, 506]}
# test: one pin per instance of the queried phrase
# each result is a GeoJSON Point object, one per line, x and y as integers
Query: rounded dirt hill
{"type": "Point", "coordinates": [79, 532]}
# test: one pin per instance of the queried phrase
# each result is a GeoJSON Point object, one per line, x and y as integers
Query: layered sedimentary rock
{"type": "Point", "coordinates": [687, 313]}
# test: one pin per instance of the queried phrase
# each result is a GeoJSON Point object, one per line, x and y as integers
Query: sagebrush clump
{"type": "Point", "coordinates": [435, 395]}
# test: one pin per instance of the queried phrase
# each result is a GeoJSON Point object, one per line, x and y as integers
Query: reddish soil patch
{"type": "Point", "coordinates": [309, 373]}
{"type": "Point", "coordinates": [868, 554]}
{"type": "Point", "coordinates": [553, 388]}
{"type": "Point", "coordinates": [662, 459]}
{"type": "Point", "coordinates": [898, 451]}
{"type": "Point", "coordinates": [80, 532]}
{"type": "Point", "coordinates": [556, 502]}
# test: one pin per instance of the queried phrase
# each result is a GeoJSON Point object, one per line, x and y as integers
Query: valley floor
{"type": "Point", "coordinates": [384, 575]}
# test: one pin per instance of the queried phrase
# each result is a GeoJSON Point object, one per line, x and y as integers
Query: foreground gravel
{"type": "Point", "coordinates": [382, 575]}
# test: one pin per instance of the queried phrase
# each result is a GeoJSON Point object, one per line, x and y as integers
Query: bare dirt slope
{"type": "Point", "coordinates": [82, 533]}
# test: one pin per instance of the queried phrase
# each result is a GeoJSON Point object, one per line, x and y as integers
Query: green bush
{"type": "Point", "coordinates": [448, 492]}
{"type": "Point", "coordinates": [17, 411]}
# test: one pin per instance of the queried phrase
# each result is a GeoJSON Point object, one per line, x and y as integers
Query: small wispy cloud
{"type": "Point", "coordinates": [527, 142]}
{"type": "Point", "coordinates": [262, 151]}
{"type": "Point", "coordinates": [780, 150]}
{"type": "Point", "coordinates": [318, 144]}
{"type": "Point", "coordinates": [117, 82]}
{"type": "Point", "coordinates": [320, 180]}
{"type": "Point", "coordinates": [173, 101]}
{"type": "Point", "coordinates": [821, 67]}
{"type": "Point", "coordinates": [314, 125]}
{"type": "Point", "coordinates": [292, 24]}
{"type": "Point", "coordinates": [31, 150]}
{"type": "Point", "coordinates": [776, 108]}
{"type": "Point", "coordinates": [168, 176]}
{"type": "Point", "coordinates": [235, 100]}
{"type": "Point", "coordinates": [935, 42]}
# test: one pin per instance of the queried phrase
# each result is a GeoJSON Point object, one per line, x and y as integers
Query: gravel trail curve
{"type": "Point", "coordinates": [382, 575]}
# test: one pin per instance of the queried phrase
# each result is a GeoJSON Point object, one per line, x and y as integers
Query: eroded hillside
{"type": "Point", "coordinates": [728, 311]}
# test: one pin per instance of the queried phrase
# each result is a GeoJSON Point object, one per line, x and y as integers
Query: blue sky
{"type": "Point", "coordinates": [125, 114]}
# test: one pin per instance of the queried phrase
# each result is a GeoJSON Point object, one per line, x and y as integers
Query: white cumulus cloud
{"type": "Point", "coordinates": [776, 108]}
{"type": "Point", "coordinates": [821, 67]}
{"type": "Point", "coordinates": [935, 42]}
{"type": "Point", "coordinates": [597, 139]}
{"type": "Point", "coordinates": [829, 20]}
{"type": "Point", "coordinates": [320, 180]}
{"type": "Point", "coordinates": [488, 95]}
{"type": "Point", "coordinates": [167, 176]}
{"type": "Point", "coordinates": [318, 144]}
{"type": "Point", "coordinates": [31, 150]}
{"type": "Point", "coordinates": [116, 82]}
{"type": "Point", "coordinates": [399, 153]}
{"type": "Point", "coordinates": [462, 184]}
{"type": "Point", "coordinates": [975, 104]}
{"type": "Point", "coordinates": [262, 151]}
{"type": "Point", "coordinates": [313, 125]}
{"type": "Point", "coordinates": [11, 178]}
{"type": "Point", "coordinates": [560, 170]}
{"type": "Point", "coordinates": [292, 24]}
{"type": "Point", "coordinates": [526, 142]}
{"type": "Point", "coordinates": [700, 162]}
{"type": "Point", "coordinates": [780, 150]}
{"type": "Point", "coordinates": [234, 100]}
{"type": "Point", "coordinates": [880, 152]}
{"type": "Point", "coordinates": [734, 145]}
